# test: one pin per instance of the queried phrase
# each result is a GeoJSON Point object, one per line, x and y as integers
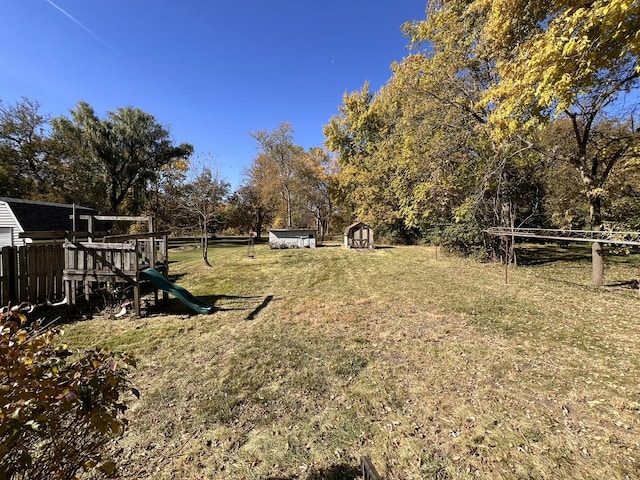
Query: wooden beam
{"type": "Point", "coordinates": [99, 246]}
{"type": "Point", "coordinates": [136, 236]}
{"type": "Point", "coordinates": [53, 234]}
{"type": "Point", "coordinates": [116, 218]}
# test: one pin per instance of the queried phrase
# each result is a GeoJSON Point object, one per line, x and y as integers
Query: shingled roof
{"type": "Point", "coordinates": [44, 216]}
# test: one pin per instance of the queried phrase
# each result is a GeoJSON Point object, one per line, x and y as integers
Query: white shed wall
{"type": "Point", "coordinates": [292, 238]}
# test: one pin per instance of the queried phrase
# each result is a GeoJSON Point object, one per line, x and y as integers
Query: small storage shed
{"type": "Point", "coordinates": [292, 238]}
{"type": "Point", "coordinates": [18, 216]}
{"type": "Point", "coordinates": [358, 235]}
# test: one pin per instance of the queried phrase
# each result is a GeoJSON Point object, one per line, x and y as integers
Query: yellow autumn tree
{"type": "Point", "coordinates": [553, 53]}
{"type": "Point", "coordinates": [568, 59]}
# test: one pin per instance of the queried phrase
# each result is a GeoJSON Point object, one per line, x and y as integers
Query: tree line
{"type": "Point", "coordinates": [506, 113]}
{"type": "Point", "coordinates": [127, 164]}
{"type": "Point", "coordinates": [512, 113]}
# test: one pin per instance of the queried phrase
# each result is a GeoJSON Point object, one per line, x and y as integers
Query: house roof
{"type": "Point", "coordinates": [44, 216]}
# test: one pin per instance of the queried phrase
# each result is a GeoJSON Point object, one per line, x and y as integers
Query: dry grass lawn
{"type": "Point", "coordinates": [434, 368]}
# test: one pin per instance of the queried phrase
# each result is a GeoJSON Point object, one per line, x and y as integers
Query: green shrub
{"type": "Point", "coordinates": [465, 239]}
{"type": "Point", "coordinates": [56, 414]}
{"type": "Point", "coordinates": [396, 233]}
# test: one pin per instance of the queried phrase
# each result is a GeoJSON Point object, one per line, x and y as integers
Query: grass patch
{"type": "Point", "coordinates": [433, 368]}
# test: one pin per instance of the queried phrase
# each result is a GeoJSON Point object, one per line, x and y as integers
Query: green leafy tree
{"type": "Point", "coordinates": [355, 135]}
{"type": "Point", "coordinates": [623, 198]}
{"type": "Point", "coordinates": [56, 414]}
{"type": "Point", "coordinates": [29, 156]}
{"type": "Point", "coordinates": [419, 154]}
{"type": "Point", "coordinates": [471, 181]}
{"type": "Point", "coordinates": [245, 210]}
{"type": "Point", "coordinates": [123, 152]}
{"type": "Point", "coordinates": [566, 60]}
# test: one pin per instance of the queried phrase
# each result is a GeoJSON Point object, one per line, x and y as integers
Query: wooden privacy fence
{"type": "Point", "coordinates": [31, 273]}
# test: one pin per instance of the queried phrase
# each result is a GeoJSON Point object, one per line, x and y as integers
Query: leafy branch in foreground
{"type": "Point", "coordinates": [56, 415]}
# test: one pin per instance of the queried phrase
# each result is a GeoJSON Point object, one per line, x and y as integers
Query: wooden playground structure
{"type": "Point", "coordinates": [77, 264]}
{"type": "Point", "coordinates": [112, 259]}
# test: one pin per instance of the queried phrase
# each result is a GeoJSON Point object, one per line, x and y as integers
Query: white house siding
{"type": "Point", "coordinates": [6, 236]}
{"type": "Point", "coordinates": [10, 229]}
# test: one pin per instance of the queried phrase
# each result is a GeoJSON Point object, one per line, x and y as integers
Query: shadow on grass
{"type": "Point", "coordinates": [533, 254]}
{"type": "Point", "coordinates": [221, 303]}
{"type": "Point", "coordinates": [546, 254]}
{"type": "Point", "coordinates": [259, 308]}
{"type": "Point", "coordinates": [628, 284]}
{"type": "Point", "coordinates": [341, 471]}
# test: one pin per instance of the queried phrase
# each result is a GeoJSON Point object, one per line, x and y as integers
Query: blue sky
{"type": "Point", "coordinates": [212, 71]}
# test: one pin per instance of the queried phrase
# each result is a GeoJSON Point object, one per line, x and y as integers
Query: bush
{"type": "Point", "coordinates": [56, 414]}
{"type": "Point", "coordinates": [464, 239]}
{"type": "Point", "coordinates": [396, 233]}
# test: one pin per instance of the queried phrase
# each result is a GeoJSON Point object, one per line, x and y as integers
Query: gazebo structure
{"type": "Point", "coordinates": [358, 235]}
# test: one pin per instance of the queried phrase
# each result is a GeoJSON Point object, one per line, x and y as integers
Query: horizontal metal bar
{"type": "Point", "coordinates": [527, 233]}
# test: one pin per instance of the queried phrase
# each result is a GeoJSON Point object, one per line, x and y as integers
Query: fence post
{"type": "Point", "coordinates": [23, 276]}
{"type": "Point", "coordinates": [10, 275]}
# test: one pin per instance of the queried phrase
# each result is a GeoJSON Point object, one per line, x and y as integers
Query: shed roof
{"type": "Point", "coordinates": [353, 226]}
{"type": "Point", "coordinates": [36, 216]}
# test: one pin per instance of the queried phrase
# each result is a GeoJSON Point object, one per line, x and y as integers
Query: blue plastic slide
{"type": "Point", "coordinates": [177, 291]}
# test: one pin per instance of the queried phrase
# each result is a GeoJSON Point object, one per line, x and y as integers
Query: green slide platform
{"type": "Point", "coordinates": [177, 291]}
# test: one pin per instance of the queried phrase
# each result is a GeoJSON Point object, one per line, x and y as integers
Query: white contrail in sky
{"type": "Point", "coordinates": [79, 23]}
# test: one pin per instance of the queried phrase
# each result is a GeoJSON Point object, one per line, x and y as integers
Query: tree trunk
{"type": "Point", "coordinates": [205, 247]}
{"type": "Point", "coordinates": [289, 212]}
{"type": "Point", "coordinates": [597, 248]}
{"type": "Point", "coordinates": [259, 220]}
{"type": "Point", "coordinates": [508, 221]}
{"type": "Point", "coordinates": [113, 199]}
